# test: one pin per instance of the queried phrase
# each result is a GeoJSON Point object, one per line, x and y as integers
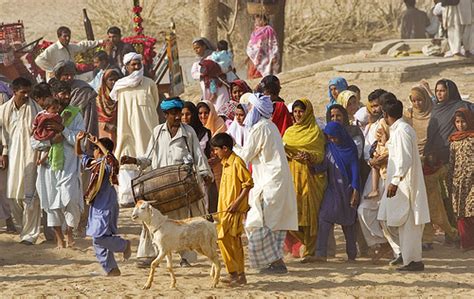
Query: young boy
{"type": "Point", "coordinates": [236, 183]}
{"type": "Point", "coordinates": [102, 198]}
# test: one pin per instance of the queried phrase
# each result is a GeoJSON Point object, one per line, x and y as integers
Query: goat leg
{"type": "Point", "coordinates": [153, 266]}
{"type": "Point", "coordinates": [217, 270]}
{"type": "Point", "coordinates": [169, 265]}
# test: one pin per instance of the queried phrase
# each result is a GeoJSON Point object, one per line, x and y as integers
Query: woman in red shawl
{"type": "Point", "coordinates": [106, 107]}
{"type": "Point", "coordinates": [460, 178]}
{"type": "Point", "coordinates": [214, 84]}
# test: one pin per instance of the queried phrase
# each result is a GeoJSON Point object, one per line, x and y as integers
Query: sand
{"type": "Point", "coordinates": [42, 270]}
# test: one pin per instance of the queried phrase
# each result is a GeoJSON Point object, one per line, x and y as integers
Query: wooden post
{"type": "Point", "coordinates": [208, 19]}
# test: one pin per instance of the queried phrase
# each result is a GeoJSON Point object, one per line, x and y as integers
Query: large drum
{"type": "Point", "coordinates": [168, 188]}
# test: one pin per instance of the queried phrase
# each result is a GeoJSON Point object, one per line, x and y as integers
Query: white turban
{"type": "Point", "coordinates": [262, 107]}
{"type": "Point", "coordinates": [131, 56]}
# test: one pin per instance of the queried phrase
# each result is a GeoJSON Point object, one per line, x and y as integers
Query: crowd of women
{"type": "Point", "coordinates": [342, 181]}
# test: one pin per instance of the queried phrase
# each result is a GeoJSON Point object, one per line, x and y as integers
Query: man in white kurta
{"type": "Point", "coordinates": [404, 204]}
{"type": "Point", "coordinates": [165, 149]}
{"type": "Point", "coordinates": [137, 100]}
{"type": "Point", "coordinates": [60, 190]}
{"type": "Point", "coordinates": [62, 50]}
{"type": "Point", "coordinates": [272, 200]}
{"type": "Point", "coordinates": [459, 21]}
{"type": "Point", "coordinates": [17, 117]}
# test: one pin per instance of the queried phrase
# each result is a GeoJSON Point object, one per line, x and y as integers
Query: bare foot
{"type": "Point", "coordinates": [60, 244]}
{"type": "Point", "coordinates": [372, 195]}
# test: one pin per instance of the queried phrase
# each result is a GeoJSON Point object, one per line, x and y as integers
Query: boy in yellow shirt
{"type": "Point", "coordinates": [236, 183]}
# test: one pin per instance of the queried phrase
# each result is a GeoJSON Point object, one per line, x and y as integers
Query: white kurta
{"type": "Point", "coordinates": [57, 189]}
{"type": "Point", "coordinates": [404, 170]}
{"type": "Point", "coordinates": [16, 132]}
{"type": "Point", "coordinates": [459, 21]}
{"type": "Point", "coordinates": [273, 184]}
{"type": "Point", "coordinates": [408, 209]}
{"type": "Point", "coordinates": [137, 116]}
{"type": "Point", "coordinates": [167, 151]}
{"type": "Point", "coordinates": [56, 52]}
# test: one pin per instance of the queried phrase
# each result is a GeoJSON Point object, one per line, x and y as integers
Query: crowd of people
{"type": "Point", "coordinates": [388, 175]}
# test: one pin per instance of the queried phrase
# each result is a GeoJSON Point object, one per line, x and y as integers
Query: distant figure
{"type": "Point", "coordinates": [225, 59]}
{"type": "Point", "coordinates": [414, 21]}
{"type": "Point", "coordinates": [62, 50]}
{"type": "Point", "coordinates": [116, 48]}
{"type": "Point", "coordinates": [458, 20]}
{"type": "Point", "coordinates": [262, 50]}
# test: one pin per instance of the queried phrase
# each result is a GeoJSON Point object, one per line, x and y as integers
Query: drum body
{"type": "Point", "coordinates": [168, 188]}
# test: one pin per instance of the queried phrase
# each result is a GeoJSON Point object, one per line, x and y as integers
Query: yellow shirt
{"type": "Point", "coordinates": [235, 178]}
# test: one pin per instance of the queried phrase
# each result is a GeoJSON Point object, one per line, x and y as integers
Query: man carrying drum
{"type": "Point", "coordinates": [172, 143]}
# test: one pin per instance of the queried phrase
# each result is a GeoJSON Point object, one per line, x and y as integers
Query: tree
{"type": "Point", "coordinates": [208, 19]}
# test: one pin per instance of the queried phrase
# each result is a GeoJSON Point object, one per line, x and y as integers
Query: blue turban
{"type": "Point", "coordinates": [173, 103]}
{"type": "Point", "coordinates": [262, 107]}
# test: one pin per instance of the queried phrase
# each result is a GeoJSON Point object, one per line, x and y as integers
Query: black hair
{"type": "Point", "coordinates": [270, 83]}
{"type": "Point", "coordinates": [343, 110]}
{"type": "Point", "coordinates": [221, 140]}
{"type": "Point", "coordinates": [354, 88]}
{"type": "Point", "coordinates": [63, 29]}
{"type": "Point", "coordinates": [114, 30]}
{"type": "Point", "coordinates": [107, 143]}
{"type": "Point", "coordinates": [376, 94]}
{"type": "Point", "coordinates": [201, 43]}
{"type": "Point", "coordinates": [203, 104]}
{"type": "Point", "coordinates": [20, 83]}
{"type": "Point", "coordinates": [263, 17]}
{"type": "Point", "coordinates": [50, 101]}
{"type": "Point", "coordinates": [222, 45]}
{"type": "Point", "coordinates": [41, 90]}
{"type": "Point", "coordinates": [410, 3]}
{"type": "Point", "coordinates": [241, 107]}
{"type": "Point", "coordinates": [101, 55]}
{"type": "Point", "coordinates": [58, 86]}
{"type": "Point", "coordinates": [391, 106]}
{"type": "Point", "coordinates": [300, 104]}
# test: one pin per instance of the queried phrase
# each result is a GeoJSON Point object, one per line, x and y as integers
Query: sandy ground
{"type": "Point", "coordinates": [42, 270]}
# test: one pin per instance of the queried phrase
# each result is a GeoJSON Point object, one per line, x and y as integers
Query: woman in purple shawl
{"type": "Point", "coordinates": [340, 200]}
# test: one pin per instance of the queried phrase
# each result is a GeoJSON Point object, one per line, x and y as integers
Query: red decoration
{"type": "Point", "coordinates": [137, 9]}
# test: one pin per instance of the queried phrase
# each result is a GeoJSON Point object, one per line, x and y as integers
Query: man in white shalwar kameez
{"type": "Point", "coordinates": [172, 143]}
{"type": "Point", "coordinates": [137, 99]}
{"type": "Point", "coordinates": [404, 204]}
{"type": "Point", "coordinates": [367, 211]}
{"type": "Point", "coordinates": [272, 200]}
{"type": "Point", "coordinates": [60, 189]}
{"type": "Point", "coordinates": [19, 158]}
{"type": "Point", "coordinates": [459, 22]}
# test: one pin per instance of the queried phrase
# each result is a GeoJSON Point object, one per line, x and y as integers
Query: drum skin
{"type": "Point", "coordinates": [168, 188]}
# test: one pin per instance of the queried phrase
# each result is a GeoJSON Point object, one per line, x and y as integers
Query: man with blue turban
{"type": "Point", "coordinates": [171, 143]}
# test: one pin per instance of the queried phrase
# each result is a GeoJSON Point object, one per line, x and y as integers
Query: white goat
{"type": "Point", "coordinates": [177, 235]}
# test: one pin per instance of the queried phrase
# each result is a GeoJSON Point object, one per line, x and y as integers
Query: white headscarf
{"type": "Point", "coordinates": [238, 132]}
{"type": "Point", "coordinates": [262, 106]}
{"type": "Point", "coordinates": [132, 80]}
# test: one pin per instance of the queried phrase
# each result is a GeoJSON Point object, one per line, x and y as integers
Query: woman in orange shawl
{"type": "Point", "coordinates": [106, 107]}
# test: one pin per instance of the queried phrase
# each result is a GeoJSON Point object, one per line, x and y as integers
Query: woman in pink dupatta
{"type": "Point", "coordinates": [262, 50]}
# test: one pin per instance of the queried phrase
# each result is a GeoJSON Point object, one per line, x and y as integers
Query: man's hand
{"type": "Point", "coordinates": [54, 126]}
{"type": "Point", "coordinates": [234, 207]}
{"type": "Point", "coordinates": [392, 190]}
{"type": "Point", "coordinates": [58, 138]}
{"type": "Point", "coordinates": [207, 180]}
{"type": "Point", "coordinates": [128, 160]}
{"type": "Point", "coordinates": [3, 161]}
{"type": "Point", "coordinates": [355, 198]}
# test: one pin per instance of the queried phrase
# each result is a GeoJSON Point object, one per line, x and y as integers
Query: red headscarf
{"type": "Point", "coordinates": [281, 117]}
{"type": "Point", "coordinates": [211, 70]}
{"type": "Point", "coordinates": [469, 118]}
{"type": "Point", "coordinates": [242, 85]}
